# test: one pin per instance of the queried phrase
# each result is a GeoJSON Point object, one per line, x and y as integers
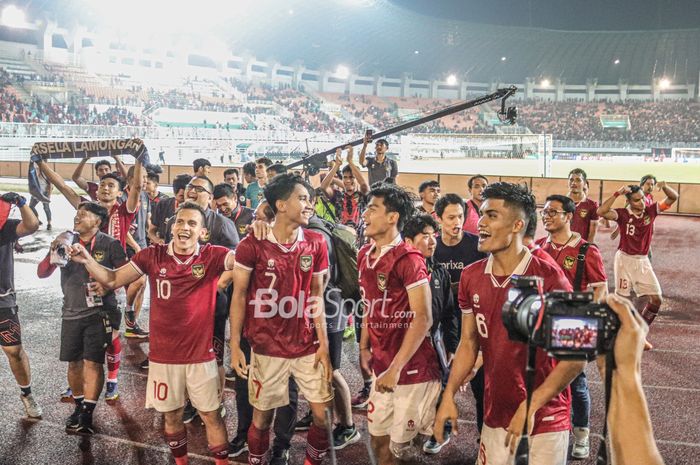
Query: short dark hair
{"type": "Point", "coordinates": [347, 169]}
{"type": "Point", "coordinates": [281, 187]}
{"type": "Point", "coordinates": [449, 199]}
{"type": "Point", "coordinates": [633, 190]}
{"type": "Point", "coordinates": [102, 163]}
{"type": "Point", "coordinates": [119, 179]}
{"type": "Point", "coordinates": [514, 196]}
{"type": "Point", "coordinates": [396, 199]}
{"type": "Point", "coordinates": [200, 162]}
{"type": "Point", "coordinates": [180, 182]}
{"type": "Point", "coordinates": [153, 176]}
{"type": "Point", "coordinates": [473, 178]}
{"type": "Point", "coordinates": [192, 206]}
{"type": "Point", "coordinates": [531, 228]}
{"type": "Point", "coordinates": [97, 209]}
{"type": "Point", "coordinates": [580, 172]}
{"type": "Point", "coordinates": [211, 184]}
{"type": "Point", "coordinates": [425, 184]}
{"type": "Point", "coordinates": [567, 204]}
{"type": "Point", "coordinates": [383, 141]}
{"type": "Point", "coordinates": [417, 224]}
{"type": "Point", "coordinates": [277, 168]}
{"type": "Point", "coordinates": [264, 161]}
{"type": "Point", "coordinates": [249, 168]}
{"type": "Point", "coordinates": [223, 190]}
{"type": "Point", "coordinates": [647, 177]}
{"type": "Point", "coordinates": [228, 171]}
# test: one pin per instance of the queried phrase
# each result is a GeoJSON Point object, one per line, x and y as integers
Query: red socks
{"type": "Point", "coordinates": [649, 313]}
{"type": "Point", "coordinates": [317, 445]}
{"type": "Point", "coordinates": [114, 351]}
{"type": "Point", "coordinates": [258, 444]}
{"type": "Point", "coordinates": [220, 454]}
{"type": "Point", "coordinates": [178, 446]}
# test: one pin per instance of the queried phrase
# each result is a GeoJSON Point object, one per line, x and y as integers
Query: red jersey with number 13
{"type": "Point", "coordinates": [636, 231]}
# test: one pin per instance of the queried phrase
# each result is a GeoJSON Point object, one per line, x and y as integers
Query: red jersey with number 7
{"type": "Point", "coordinates": [278, 322]}
{"type": "Point", "coordinates": [636, 231]}
{"type": "Point", "coordinates": [483, 294]}
{"type": "Point", "coordinates": [183, 297]}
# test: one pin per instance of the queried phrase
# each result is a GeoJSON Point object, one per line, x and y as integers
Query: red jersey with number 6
{"type": "Point", "coordinates": [636, 231]}
{"type": "Point", "coordinates": [183, 297]}
{"type": "Point", "coordinates": [384, 284]}
{"type": "Point", "coordinates": [278, 322]}
{"type": "Point", "coordinates": [483, 294]}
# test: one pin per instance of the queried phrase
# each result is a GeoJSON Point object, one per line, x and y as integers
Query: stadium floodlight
{"type": "Point", "coordinates": [13, 17]}
{"type": "Point", "coordinates": [545, 83]}
{"type": "Point", "coordinates": [342, 72]}
{"type": "Point", "coordinates": [416, 52]}
{"type": "Point", "coordinates": [664, 83]}
{"type": "Point", "coordinates": [291, 12]}
{"type": "Point", "coordinates": [503, 58]}
{"type": "Point", "coordinates": [617, 61]}
{"type": "Point", "coordinates": [451, 80]}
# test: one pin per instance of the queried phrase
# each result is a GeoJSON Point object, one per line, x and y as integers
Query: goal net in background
{"type": "Point", "coordinates": [504, 154]}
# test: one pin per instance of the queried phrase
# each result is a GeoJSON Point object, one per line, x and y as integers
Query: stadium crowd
{"type": "Point", "coordinates": [439, 267]}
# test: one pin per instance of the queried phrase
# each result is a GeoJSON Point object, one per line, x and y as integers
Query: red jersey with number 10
{"type": "Point", "coordinates": [483, 294]}
{"type": "Point", "coordinates": [183, 297]}
{"type": "Point", "coordinates": [277, 322]}
{"type": "Point", "coordinates": [636, 231]}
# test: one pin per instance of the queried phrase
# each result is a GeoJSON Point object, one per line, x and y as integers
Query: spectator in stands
{"type": "Point", "coordinates": [379, 167]}
{"type": "Point", "coordinates": [201, 167]}
{"type": "Point", "coordinates": [429, 192]}
{"type": "Point", "coordinates": [349, 203]}
{"type": "Point", "coordinates": [254, 192]}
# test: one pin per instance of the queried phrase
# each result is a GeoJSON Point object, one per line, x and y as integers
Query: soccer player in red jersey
{"type": "Point", "coordinates": [183, 289]}
{"type": "Point", "coordinates": [476, 185]}
{"type": "Point", "coordinates": [395, 336]}
{"type": "Point", "coordinates": [564, 245]}
{"type": "Point", "coordinates": [277, 301]}
{"type": "Point", "coordinates": [633, 271]}
{"type": "Point", "coordinates": [483, 289]}
{"type": "Point", "coordinates": [585, 219]}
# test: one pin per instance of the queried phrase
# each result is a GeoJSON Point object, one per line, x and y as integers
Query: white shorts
{"type": "Point", "coordinates": [634, 273]}
{"type": "Point", "coordinates": [545, 448]}
{"type": "Point", "coordinates": [404, 413]}
{"type": "Point", "coordinates": [169, 385]}
{"type": "Point", "coordinates": [268, 380]}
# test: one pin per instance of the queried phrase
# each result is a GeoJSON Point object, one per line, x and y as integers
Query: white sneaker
{"type": "Point", "coordinates": [581, 448]}
{"type": "Point", "coordinates": [31, 408]}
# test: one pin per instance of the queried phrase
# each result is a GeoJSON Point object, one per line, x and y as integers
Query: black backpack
{"type": "Point", "coordinates": [343, 256]}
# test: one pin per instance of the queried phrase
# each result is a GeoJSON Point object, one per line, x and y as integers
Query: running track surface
{"type": "Point", "coordinates": [129, 434]}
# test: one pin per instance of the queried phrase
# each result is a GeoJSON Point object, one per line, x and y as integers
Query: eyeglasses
{"type": "Point", "coordinates": [197, 189]}
{"type": "Point", "coordinates": [550, 212]}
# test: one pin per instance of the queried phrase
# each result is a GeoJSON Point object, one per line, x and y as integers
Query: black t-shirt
{"type": "Point", "coordinates": [457, 257]}
{"type": "Point", "coordinates": [161, 214]}
{"type": "Point", "coordinates": [220, 230]}
{"type": "Point", "coordinates": [242, 217]}
{"type": "Point", "coordinates": [8, 237]}
{"type": "Point", "coordinates": [108, 252]}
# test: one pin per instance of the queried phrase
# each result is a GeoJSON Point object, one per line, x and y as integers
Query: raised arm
{"type": "Point", "coordinates": [363, 152]}
{"type": "Point", "coordinates": [605, 210]}
{"type": "Point", "coordinates": [78, 175]}
{"type": "Point", "coordinates": [364, 187]}
{"type": "Point", "coordinates": [121, 168]}
{"type": "Point", "coordinates": [671, 195]}
{"type": "Point", "coordinates": [132, 201]}
{"type": "Point", "coordinates": [328, 180]}
{"type": "Point", "coordinates": [111, 279]}
{"type": "Point", "coordinates": [56, 180]}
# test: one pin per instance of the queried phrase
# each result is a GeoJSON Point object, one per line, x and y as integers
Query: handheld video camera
{"type": "Point", "coordinates": [568, 325]}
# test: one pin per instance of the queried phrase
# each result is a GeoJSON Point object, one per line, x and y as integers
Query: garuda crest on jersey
{"type": "Point", "coordinates": [305, 262]}
{"type": "Point", "coordinates": [381, 281]}
{"type": "Point", "coordinates": [198, 270]}
{"type": "Point", "coordinates": [569, 262]}
{"type": "Point", "coordinates": [98, 255]}
{"type": "Point", "coordinates": [582, 213]}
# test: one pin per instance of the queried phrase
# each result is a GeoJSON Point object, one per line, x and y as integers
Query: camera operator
{"type": "Point", "coordinates": [583, 266]}
{"type": "Point", "coordinates": [483, 289]}
{"type": "Point", "coordinates": [89, 315]}
{"type": "Point", "coordinates": [630, 427]}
